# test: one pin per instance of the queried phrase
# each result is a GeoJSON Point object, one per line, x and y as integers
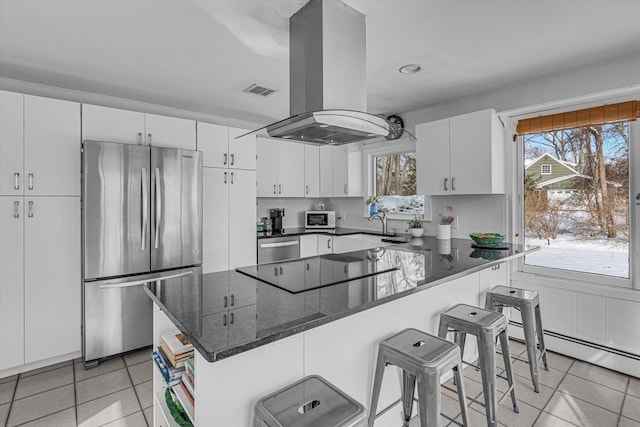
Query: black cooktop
{"type": "Point", "coordinates": [300, 275]}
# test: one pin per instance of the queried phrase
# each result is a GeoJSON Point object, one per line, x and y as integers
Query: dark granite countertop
{"type": "Point", "coordinates": [227, 313]}
{"type": "Point", "coordinates": [301, 231]}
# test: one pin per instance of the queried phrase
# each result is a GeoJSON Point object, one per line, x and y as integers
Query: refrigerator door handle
{"type": "Point", "coordinates": [145, 209]}
{"type": "Point", "coordinates": [108, 285]}
{"type": "Point", "coordinates": [158, 207]}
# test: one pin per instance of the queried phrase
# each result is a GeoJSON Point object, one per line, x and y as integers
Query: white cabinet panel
{"type": "Point", "coordinates": [326, 171]}
{"type": "Point", "coordinates": [432, 157]}
{"type": "Point", "coordinates": [213, 142]}
{"type": "Point", "coordinates": [52, 277]}
{"type": "Point", "coordinates": [621, 324]}
{"type": "Point", "coordinates": [267, 168]}
{"type": "Point", "coordinates": [242, 218]}
{"type": "Point", "coordinates": [112, 124]}
{"type": "Point", "coordinates": [215, 220]}
{"type": "Point", "coordinates": [308, 245]}
{"type": "Point", "coordinates": [242, 150]}
{"type": "Point", "coordinates": [559, 310]}
{"type": "Point", "coordinates": [340, 173]}
{"type": "Point", "coordinates": [11, 282]}
{"type": "Point", "coordinates": [311, 171]}
{"type": "Point", "coordinates": [51, 147]}
{"type": "Point", "coordinates": [164, 131]}
{"type": "Point", "coordinates": [11, 137]}
{"type": "Point", "coordinates": [325, 245]}
{"type": "Point", "coordinates": [291, 169]}
{"type": "Point", "coordinates": [590, 315]}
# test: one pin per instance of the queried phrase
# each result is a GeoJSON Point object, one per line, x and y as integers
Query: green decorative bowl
{"type": "Point", "coordinates": [487, 239]}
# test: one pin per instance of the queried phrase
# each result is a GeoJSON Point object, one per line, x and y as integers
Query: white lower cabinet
{"type": "Point", "coordinates": [308, 245]}
{"type": "Point", "coordinates": [325, 245]}
{"type": "Point", "coordinates": [40, 278]}
{"type": "Point", "coordinates": [229, 198]}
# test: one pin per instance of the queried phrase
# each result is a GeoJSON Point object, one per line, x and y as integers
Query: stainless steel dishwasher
{"type": "Point", "coordinates": [278, 249]}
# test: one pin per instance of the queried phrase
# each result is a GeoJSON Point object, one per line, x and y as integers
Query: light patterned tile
{"type": "Point", "coordinates": [47, 380]}
{"type": "Point", "coordinates": [102, 385]}
{"type": "Point", "coordinates": [579, 412]}
{"type": "Point", "coordinates": [6, 392]}
{"type": "Point", "coordinates": [66, 418]}
{"type": "Point", "coordinates": [591, 392]}
{"type": "Point", "coordinates": [550, 378]}
{"type": "Point", "coordinates": [525, 393]}
{"type": "Point", "coordinates": [628, 422]}
{"type": "Point", "coordinates": [46, 368]}
{"type": "Point", "coordinates": [9, 379]}
{"type": "Point", "coordinates": [41, 404]}
{"type": "Point", "coordinates": [108, 408]}
{"type": "Point", "coordinates": [548, 420]}
{"type": "Point", "coordinates": [472, 389]}
{"type": "Point", "coordinates": [475, 419]}
{"type": "Point", "coordinates": [557, 361]}
{"type": "Point", "coordinates": [415, 422]}
{"type": "Point", "coordinates": [139, 356]}
{"type": "Point", "coordinates": [4, 413]}
{"type": "Point", "coordinates": [631, 408]}
{"type": "Point", "coordinates": [600, 375]}
{"type": "Point", "coordinates": [133, 420]}
{"type": "Point", "coordinates": [145, 394]}
{"type": "Point", "coordinates": [148, 414]}
{"type": "Point", "coordinates": [141, 372]}
{"type": "Point", "coordinates": [102, 368]}
{"type": "Point", "coordinates": [634, 387]}
{"type": "Point", "coordinates": [507, 416]}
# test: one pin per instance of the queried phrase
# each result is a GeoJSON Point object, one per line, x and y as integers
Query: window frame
{"type": "Point", "coordinates": [574, 278]}
{"type": "Point", "coordinates": [542, 172]}
{"type": "Point", "coordinates": [369, 152]}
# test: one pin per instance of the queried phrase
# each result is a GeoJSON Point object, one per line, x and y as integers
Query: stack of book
{"type": "Point", "coordinates": [174, 357]}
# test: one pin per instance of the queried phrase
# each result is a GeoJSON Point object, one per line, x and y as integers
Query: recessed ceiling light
{"type": "Point", "coordinates": [324, 126]}
{"type": "Point", "coordinates": [410, 69]}
{"type": "Point", "coordinates": [286, 136]}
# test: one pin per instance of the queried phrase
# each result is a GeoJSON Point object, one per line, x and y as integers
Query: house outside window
{"type": "Point", "coordinates": [545, 170]}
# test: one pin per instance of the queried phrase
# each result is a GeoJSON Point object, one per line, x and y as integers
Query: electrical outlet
{"type": "Point", "coordinates": [342, 215]}
{"type": "Point", "coordinates": [454, 224]}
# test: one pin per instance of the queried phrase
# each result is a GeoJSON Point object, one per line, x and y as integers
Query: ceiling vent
{"type": "Point", "coordinates": [259, 90]}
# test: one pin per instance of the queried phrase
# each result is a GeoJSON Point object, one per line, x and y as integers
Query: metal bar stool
{"type": "Point", "coordinates": [423, 357]}
{"type": "Point", "coordinates": [486, 325]}
{"type": "Point", "coordinates": [528, 303]}
{"type": "Point", "coordinates": [310, 402]}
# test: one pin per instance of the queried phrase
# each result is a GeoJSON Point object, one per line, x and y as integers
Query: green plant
{"type": "Point", "coordinates": [415, 223]}
{"type": "Point", "coordinates": [371, 199]}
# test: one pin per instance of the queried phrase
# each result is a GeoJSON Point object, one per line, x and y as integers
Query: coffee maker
{"type": "Point", "coordinates": [276, 215]}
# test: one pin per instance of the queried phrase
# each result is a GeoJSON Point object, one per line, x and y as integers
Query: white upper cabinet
{"type": "Point", "coordinates": [112, 124]}
{"type": "Point", "coordinates": [281, 168]}
{"type": "Point", "coordinates": [242, 218]}
{"type": "Point", "coordinates": [242, 150]}
{"type": "Point", "coordinates": [461, 155]}
{"type": "Point", "coordinates": [340, 172]}
{"type": "Point", "coordinates": [311, 171]}
{"type": "Point", "coordinates": [132, 127]}
{"type": "Point", "coordinates": [39, 146]}
{"type": "Point", "coordinates": [164, 131]}
{"type": "Point", "coordinates": [11, 139]}
{"type": "Point", "coordinates": [222, 149]}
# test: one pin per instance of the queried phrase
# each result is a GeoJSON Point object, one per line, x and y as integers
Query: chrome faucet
{"type": "Point", "coordinates": [382, 218]}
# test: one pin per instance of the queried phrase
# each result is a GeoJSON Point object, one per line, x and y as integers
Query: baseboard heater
{"type": "Point", "coordinates": [583, 342]}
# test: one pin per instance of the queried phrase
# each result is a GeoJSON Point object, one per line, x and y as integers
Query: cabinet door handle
{"type": "Point", "coordinates": [446, 188]}
{"type": "Point", "coordinates": [233, 159]}
{"type": "Point", "coordinates": [279, 188]}
{"type": "Point", "coordinates": [16, 181]}
{"type": "Point", "coordinates": [329, 243]}
{"type": "Point", "coordinates": [16, 209]}
{"type": "Point", "coordinates": [233, 300]}
{"type": "Point", "coordinates": [453, 183]}
{"type": "Point", "coordinates": [224, 320]}
{"type": "Point", "coordinates": [225, 177]}
{"type": "Point", "coordinates": [232, 177]}
{"type": "Point", "coordinates": [139, 138]}
{"type": "Point", "coordinates": [307, 189]}
{"type": "Point", "coordinates": [275, 271]}
{"type": "Point", "coordinates": [346, 269]}
{"type": "Point", "coordinates": [232, 316]}
{"type": "Point", "coordinates": [149, 139]}
{"type": "Point", "coordinates": [30, 209]}
{"type": "Point", "coordinates": [280, 268]}
{"type": "Point", "coordinates": [30, 181]}
{"type": "Point", "coordinates": [274, 189]}
{"type": "Point", "coordinates": [224, 159]}
{"type": "Point", "coordinates": [307, 266]}
{"type": "Point", "coordinates": [224, 304]}
{"type": "Point", "coordinates": [346, 189]}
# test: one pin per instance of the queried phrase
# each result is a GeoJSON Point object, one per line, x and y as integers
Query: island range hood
{"type": "Point", "coordinates": [328, 93]}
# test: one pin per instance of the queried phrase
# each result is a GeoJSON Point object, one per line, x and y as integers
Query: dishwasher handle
{"type": "Point", "coordinates": [279, 244]}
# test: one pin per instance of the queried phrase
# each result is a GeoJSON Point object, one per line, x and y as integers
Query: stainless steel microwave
{"type": "Point", "coordinates": [320, 219]}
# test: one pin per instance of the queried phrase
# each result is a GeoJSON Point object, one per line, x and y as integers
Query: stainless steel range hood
{"type": "Point", "coordinates": [328, 93]}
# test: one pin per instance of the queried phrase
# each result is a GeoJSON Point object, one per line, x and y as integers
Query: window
{"type": "Point", "coordinates": [394, 183]}
{"type": "Point", "coordinates": [581, 216]}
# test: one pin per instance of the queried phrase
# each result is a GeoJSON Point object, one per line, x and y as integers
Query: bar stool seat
{"type": "Point", "coordinates": [423, 358]}
{"type": "Point", "coordinates": [309, 402]}
{"type": "Point", "coordinates": [486, 325]}
{"type": "Point", "coordinates": [528, 303]}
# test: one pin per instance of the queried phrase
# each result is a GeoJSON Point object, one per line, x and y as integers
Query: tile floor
{"type": "Point", "coordinates": [118, 393]}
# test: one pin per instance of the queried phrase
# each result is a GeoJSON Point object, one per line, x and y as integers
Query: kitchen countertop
{"type": "Point", "coordinates": [301, 231]}
{"type": "Point", "coordinates": [227, 313]}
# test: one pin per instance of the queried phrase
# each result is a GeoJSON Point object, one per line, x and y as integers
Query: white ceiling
{"type": "Point", "coordinates": [200, 55]}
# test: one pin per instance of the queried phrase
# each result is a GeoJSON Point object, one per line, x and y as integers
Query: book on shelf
{"type": "Point", "coordinates": [186, 401]}
{"type": "Point", "coordinates": [176, 348]}
{"type": "Point", "coordinates": [189, 386]}
{"type": "Point", "coordinates": [189, 369]}
{"type": "Point", "coordinates": [170, 377]}
{"type": "Point", "coordinates": [176, 370]}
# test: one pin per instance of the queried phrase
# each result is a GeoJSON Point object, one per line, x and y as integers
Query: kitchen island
{"type": "Point", "coordinates": [253, 335]}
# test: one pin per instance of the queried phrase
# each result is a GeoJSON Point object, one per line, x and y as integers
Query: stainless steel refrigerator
{"type": "Point", "coordinates": [142, 222]}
